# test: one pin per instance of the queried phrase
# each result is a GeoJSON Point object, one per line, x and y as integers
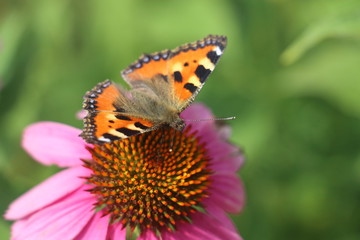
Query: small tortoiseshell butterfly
{"type": "Point", "coordinates": [163, 85]}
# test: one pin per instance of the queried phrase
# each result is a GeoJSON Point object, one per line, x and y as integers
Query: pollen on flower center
{"type": "Point", "coordinates": [150, 181]}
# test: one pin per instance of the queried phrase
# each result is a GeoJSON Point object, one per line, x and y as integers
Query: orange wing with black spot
{"type": "Point", "coordinates": [162, 82]}
{"type": "Point", "coordinates": [187, 67]}
{"type": "Point", "coordinates": [106, 121]}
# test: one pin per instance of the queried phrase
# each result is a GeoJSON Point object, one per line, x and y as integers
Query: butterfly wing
{"type": "Point", "coordinates": [110, 116]}
{"type": "Point", "coordinates": [170, 77]}
{"type": "Point", "coordinates": [186, 68]}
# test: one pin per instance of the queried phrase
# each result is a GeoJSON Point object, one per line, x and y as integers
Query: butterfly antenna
{"type": "Point", "coordinates": [209, 119]}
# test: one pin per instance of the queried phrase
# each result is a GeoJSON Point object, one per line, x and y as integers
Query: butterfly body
{"type": "Point", "coordinates": [163, 85]}
{"type": "Point", "coordinates": [153, 106]}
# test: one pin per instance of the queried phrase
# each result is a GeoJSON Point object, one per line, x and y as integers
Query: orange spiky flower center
{"type": "Point", "coordinates": [152, 180]}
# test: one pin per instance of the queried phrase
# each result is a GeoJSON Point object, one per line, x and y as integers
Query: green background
{"type": "Point", "coordinates": [290, 74]}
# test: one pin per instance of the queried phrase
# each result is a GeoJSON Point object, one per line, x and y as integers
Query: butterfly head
{"type": "Point", "coordinates": [178, 124]}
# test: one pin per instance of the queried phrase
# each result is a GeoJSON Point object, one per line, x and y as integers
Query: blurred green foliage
{"type": "Point", "coordinates": [291, 74]}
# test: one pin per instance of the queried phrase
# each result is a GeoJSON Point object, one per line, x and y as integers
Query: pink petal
{"type": "Point", "coordinates": [214, 227]}
{"type": "Point", "coordinates": [97, 228]}
{"type": "Point", "coordinates": [62, 220]}
{"type": "Point", "coordinates": [224, 131]}
{"type": "Point", "coordinates": [55, 143]}
{"type": "Point", "coordinates": [227, 192]}
{"type": "Point", "coordinates": [224, 156]}
{"type": "Point", "coordinates": [203, 226]}
{"type": "Point", "coordinates": [218, 213]}
{"type": "Point", "coordinates": [81, 114]}
{"type": "Point", "coordinates": [47, 192]}
{"type": "Point", "coordinates": [117, 232]}
{"type": "Point", "coordinates": [148, 235]}
{"type": "Point", "coordinates": [198, 111]}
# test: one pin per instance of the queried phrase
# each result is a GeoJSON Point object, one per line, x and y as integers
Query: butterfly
{"type": "Point", "coordinates": [162, 84]}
